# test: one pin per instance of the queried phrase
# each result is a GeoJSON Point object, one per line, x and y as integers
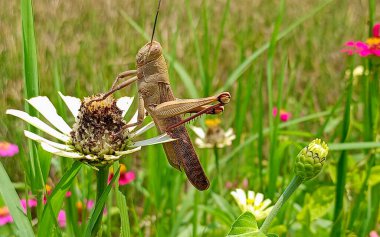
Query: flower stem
{"type": "Point", "coordinates": [294, 184]}
{"type": "Point", "coordinates": [101, 184]}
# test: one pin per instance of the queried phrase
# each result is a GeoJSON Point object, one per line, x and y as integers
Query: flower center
{"type": "Point", "coordinates": [99, 128]}
{"type": "Point", "coordinates": [212, 123]}
{"type": "Point", "coordinates": [4, 146]}
{"type": "Point", "coordinates": [373, 43]}
{"type": "Point", "coordinates": [4, 211]}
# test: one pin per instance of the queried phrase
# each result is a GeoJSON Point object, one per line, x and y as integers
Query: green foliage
{"type": "Point", "coordinates": [245, 226]}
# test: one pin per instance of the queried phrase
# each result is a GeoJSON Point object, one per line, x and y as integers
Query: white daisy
{"type": "Point", "coordinates": [254, 203]}
{"type": "Point", "coordinates": [215, 136]}
{"type": "Point", "coordinates": [96, 138]}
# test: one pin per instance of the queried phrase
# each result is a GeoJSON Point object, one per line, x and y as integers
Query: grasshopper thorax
{"type": "Point", "coordinates": [148, 53]}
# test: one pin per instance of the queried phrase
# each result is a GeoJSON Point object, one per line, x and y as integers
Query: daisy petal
{"type": "Point", "coordinates": [229, 132]}
{"type": "Point", "coordinates": [111, 157]}
{"type": "Point", "coordinates": [155, 140]}
{"type": "Point", "coordinates": [259, 199]}
{"type": "Point", "coordinates": [124, 103]}
{"type": "Point", "coordinates": [91, 157]}
{"type": "Point", "coordinates": [58, 152]}
{"type": "Point", "coordinates": [266, 203]}
{"type": "Point", "coordinates": [47, 109]}
{"type": "Point", "coordinates": [122, 153]}
{"type": "Point", "coordinates": [145, 128]}
{"type": "Point", "coordinates": [38, 124]}
{"type": "Point", "coordinates": [72, 103]}
{"type": "Point", "coordinates": [40, 139]}
{"type": "Point", "coordinates": [198, 131]}
{"type": "Point", "coordinates": [134, 120]}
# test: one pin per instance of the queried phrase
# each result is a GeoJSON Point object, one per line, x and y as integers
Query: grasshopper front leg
{"type": "Point", "coordinates": [115, 88]}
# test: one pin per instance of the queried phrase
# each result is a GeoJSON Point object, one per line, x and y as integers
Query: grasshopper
{"type": "Point", "coordinates": [157, 98]}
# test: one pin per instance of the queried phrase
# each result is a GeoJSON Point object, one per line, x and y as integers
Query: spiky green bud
{"type": "Point", "coordinates": [310, 160]}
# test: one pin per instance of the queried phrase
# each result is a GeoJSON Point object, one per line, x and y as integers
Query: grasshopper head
{"type": "Point", "coordinates": [148, 53]}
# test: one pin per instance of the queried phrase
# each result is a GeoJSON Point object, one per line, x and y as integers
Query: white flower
{"type": "Point", "coordinates": [214, 136]}
{"type": "Point", "coordinates": [254, 203]}
{"type": "Point", "coordinates": [92, 140]}
{"type": "Point", "coordinates": [358, 72]}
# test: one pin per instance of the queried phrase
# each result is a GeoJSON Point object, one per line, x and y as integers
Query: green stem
{"type": "Point", "coordinates": [216, 154]}
{"type": "Point", "coordinates": [294, 184]}
{"type": "Point", "coordinates": [101, 184]}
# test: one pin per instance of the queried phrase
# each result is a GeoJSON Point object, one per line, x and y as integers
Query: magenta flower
{"type": "Point", "coordinates": [284, 115]}
{"type": "Point", "coordinates": [62, 218]}
{"type": "Point", "coordinates": [5, 216]}
{"type": "Point", "coordinates": [371, 47]}
{"type": "Point", "coordinates": [8, 149]}
{"type": "Point", "coordinates": [125, 177]}
{"type": "Point", "coordinates": [31, 203]}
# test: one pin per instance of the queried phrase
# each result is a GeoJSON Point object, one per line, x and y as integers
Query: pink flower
{"type": "Point", "coordinates": [373, 234]}
{"type": "Point", "coordinates": [31, 203]}
{"type": "Point", "coordinates": [284, 115]}
{"type": "Point", "coordinates": [8, 149]}
{"type": "Point", "coordinates": [5, 216]}
{"type": "Point", "coordinates": [370, 47]}
{"type": "Point", "coordinates": [125, 177]}
{"type": "Point", "coordinates": [62, 218]}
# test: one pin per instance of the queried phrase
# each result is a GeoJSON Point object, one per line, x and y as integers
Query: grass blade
{"type": "Point", "coordinates": [55, 200]}
{"type": "Point", "coordinates": [13, 203]}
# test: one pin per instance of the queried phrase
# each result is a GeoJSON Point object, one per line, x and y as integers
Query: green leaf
{"type": "Point", "coordinates": [245, 226]}
{"type": "Point", "coordinates": [99, 205]}
{"type": "Point", "coordinates": [55, 200]}
{"type": "Point", "coordinates": [13, 203]}
{"type": "Point", "coordinates": [122, 204]}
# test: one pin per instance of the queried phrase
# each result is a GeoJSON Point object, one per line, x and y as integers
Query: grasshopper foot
{"type": "Point", "coordinates": [224, 97]}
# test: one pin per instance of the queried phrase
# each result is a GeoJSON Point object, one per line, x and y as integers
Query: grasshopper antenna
{"type": "Point", "coordinates": [155, 21]}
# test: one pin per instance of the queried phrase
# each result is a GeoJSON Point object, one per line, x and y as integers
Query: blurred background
{"type": "Point", "coordinates": [210, 46]}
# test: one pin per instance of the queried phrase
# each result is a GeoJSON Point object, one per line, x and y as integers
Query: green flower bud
{"type": "Point", "coordinates": [310, 160]}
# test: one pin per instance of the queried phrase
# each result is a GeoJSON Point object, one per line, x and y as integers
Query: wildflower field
{"type": "Point", "coordinates": [275, 131]}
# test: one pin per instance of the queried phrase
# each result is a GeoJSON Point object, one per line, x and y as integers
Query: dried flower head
{"type": "Point", "coordinates": [97, 137]}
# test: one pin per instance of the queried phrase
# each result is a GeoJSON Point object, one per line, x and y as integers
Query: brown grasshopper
{"type": "Point", "coordinates": [156, 96]}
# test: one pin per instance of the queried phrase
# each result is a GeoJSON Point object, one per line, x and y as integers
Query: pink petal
{"type": "Point", "coordinates": [62, 218]}
{"type": "Point", "coordinates": [373, 234]}
{"type": "Point", "coordinates": [31, 203]}
{"type": "Point", "coordinates": [126, 178]}
{"type": "Point", "coordinates": [285, 116]}
{"type": "Point", "coordinates": [90, 204]}
{"type": "Point", "coordinates": [274, 111]}
{"type": "Point", "coordinates": [376, 30]}
{"type": "Point", "coordinates": [350, 43]}
{"type": "Point", "coordinates": [8, 149]}
{"type": "Point", "coordinates": [5, 220]}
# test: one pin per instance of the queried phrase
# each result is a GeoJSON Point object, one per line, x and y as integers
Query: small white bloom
{"type": "Point", "coordinates": [214, 136]}
{"type": "Point", "coordinates": [254, 203]}
{"type": "Point", "coordinates": [96, 138]}
{"type": "Point", "coordinates": [358, 72]}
